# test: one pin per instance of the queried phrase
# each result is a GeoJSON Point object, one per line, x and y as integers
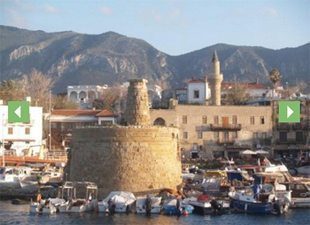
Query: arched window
{"type": "Point", "coordinates": [160, 122]}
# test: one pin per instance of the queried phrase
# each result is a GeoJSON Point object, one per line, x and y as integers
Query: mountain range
{"type": "Point", "coordinates": [109, 58]}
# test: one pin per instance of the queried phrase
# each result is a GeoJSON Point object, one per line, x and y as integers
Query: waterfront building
{"type": "Point", "coordinates": [63, 121]}
{"type": "Point", "coordinates": [217, 131]}
{"type": "Point", "coordinates": [22, 138]}
{"type": "Point", "coordinates": [292, 140]}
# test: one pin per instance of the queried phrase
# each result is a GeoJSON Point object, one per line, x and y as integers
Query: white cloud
{"type": "Point", "coordinates": [107, 11]}
{"type": "Point", "coordinates": [51, 9]}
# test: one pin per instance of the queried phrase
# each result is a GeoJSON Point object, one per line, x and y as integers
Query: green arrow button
{"type": "Point", "coordinates": [18, 112]}
{"type": "Point", "coordinates": [289, 111]}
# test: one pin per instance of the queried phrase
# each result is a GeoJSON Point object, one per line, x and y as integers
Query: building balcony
{"type": "Point", "coordinates": [295, 126]}
{"type": "Point", "coordinates": [301, 126]}
{"type": "Point", "coordinates": [225, 127]}
{"type": "Point", "coordinates": [283, 126]}
{"type": "Point", "coordinates": [290, 142]}
{"type": "Point", "coordinates": [225, 142]}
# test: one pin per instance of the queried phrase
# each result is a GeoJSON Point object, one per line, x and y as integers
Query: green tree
{"type": "Point", "coordinates": [11, 90]}
{"type": "Point", "coordinates": [62, 102]}
{"type": "Point", "coordinates": [275, 77]}
{"type": "Point", "coordinates": [38, 86]}
{"type": "Point", "coordinates": [237, 95]}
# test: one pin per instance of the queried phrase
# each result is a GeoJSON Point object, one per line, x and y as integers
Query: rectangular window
{"type": "Point", "coordinates": [264, 135]}
{"type": "Point", "coordinates": [199, 135]}
{"type": "Point", "coordinates": [10, 130]}
{"type": "Point", "coordinates": [252, 120]}
{"type": "Point", "coordinates": [27, 130]}
{"type": "Point", "coordinates": [216, 136]}
{"type": "Point", "coordinates": [216, 120]}
{"type": "Point", "coordinates": [185, 135]}
{"type": "Point", "coordinates": [262, 120]}
{"type": "Point", "coordinates": [234, 135]}
{"type": "Point", "coordinates": [234, 120]}
{"type": "Point", "coordinates": [196, 93]}
{"type": "Point", "coordinates": [204, 120]}
{"type": "Point", "coordinates": [184, 119]}
{"type": "Point", "coordinates": [255, 135]}
{"type": "Point", "coordinates": [299, 136]}
{"type": "Point", "coordinates": [283, 136]}
{"type": "Point", "coordinates": [226, 136]}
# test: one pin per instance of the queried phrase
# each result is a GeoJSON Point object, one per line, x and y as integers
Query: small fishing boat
{"type": "Point", "coordinates": [71, 203]}
{"type": "Point", "coordinates": [259, 203]}
{"type": "Point", "coordinates": [117, 201]}
{"type": "Point", "coordinates": [148, 205]}
{"type": "Point", "coordinates": [204, 204]}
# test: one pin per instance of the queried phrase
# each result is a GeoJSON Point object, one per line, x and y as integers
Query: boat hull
{"type": "Point", "coordinates": [300, 203]}
{"type": "Point", "coordinates": [251, 207]}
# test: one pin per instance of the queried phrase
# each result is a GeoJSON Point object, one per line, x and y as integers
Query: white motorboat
{"type": "Point", "coordinates": [148, 204]}
{"type": "Point", "coordinates": [73, 204]}
{"type": "Point", "coordinates": [300, 194]}
{"type": "Point", "coordinates": [43, 207]}
{"type": "Point", "coordinates": [207, 205]}
{"type": "Point", "coordinates": [10, 177]}
{"type": "Point", "coordinates": [117, 201]}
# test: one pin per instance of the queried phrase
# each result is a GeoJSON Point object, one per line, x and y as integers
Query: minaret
{"type": "Point", "coordinates": [215, 81]}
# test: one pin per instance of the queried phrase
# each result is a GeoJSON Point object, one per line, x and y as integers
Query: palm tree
{"type": "Point", "coordinates": [275, 78]}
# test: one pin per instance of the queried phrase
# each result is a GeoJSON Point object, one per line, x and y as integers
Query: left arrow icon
{"type": "Point", "coordinates": [18, 112]}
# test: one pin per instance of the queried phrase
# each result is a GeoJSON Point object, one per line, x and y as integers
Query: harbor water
{"type": "Point", "coordinates": [19, 214]}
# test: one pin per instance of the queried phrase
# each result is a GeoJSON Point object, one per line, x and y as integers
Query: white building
{"type": "Point", "coordinates": [85, 94]}
{"type": "Point", "coordinates": [25, 138]}
{"type": "Point", "coordinates": [198, 91]}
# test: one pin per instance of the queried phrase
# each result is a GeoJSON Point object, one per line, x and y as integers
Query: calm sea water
{"type": "Point", "coordinates": [18, 214]}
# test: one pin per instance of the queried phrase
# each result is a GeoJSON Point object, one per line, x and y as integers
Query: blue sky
{"type": "Point", "coordinates": [172, 26]}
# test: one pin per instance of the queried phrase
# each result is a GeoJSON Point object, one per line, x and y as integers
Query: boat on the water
{"type": "Point", "coordinates": [148, 205]}
{"type": "Point", "coordinates": [204, 204]}
{"type": "Point", "coordinates": [117, 201]}
{"type": "Point", "coordinates": [300, 194]}
{"type": "Point", "coordinates": [72, 203]}
{"type": "Point", "coordinates": [257, 203]}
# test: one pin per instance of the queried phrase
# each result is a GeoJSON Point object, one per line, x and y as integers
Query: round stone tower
{"type": "Point", "coordinates": [137, 109]}
{"type": "Point", "coordinates": [215, 81]}
{"type": "Point", "coordinates": [137, 158]}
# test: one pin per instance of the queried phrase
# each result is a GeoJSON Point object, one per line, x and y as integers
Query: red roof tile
{"type": "Point", "coordinates": [196, 81]}
{"type": "Point", "coordinates": [105, 113]}
{"type": "Point", "coordinates": [75, 112]}
{"type": "Point", "coordinates": [229, 85]}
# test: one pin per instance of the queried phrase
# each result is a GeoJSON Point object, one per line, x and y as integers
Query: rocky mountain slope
{"type": "Point", "coordinates": [72, 58]}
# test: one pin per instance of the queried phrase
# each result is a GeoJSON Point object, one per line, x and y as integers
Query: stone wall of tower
{"type": "Point", "coordinates": [137, 109]}
{"type": "Point", "coordinates": [131, 159]}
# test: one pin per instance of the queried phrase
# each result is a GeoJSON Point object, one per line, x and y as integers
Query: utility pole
{"type": "Point", "coordinates": [50, 124]}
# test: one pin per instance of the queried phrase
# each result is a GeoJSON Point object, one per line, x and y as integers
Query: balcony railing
{"type": "Point", "coordinates": [294, 126]}
{"type": "Point", "coordinates": [225, 127]}
{"type": "Point", "coordinates": [290, 141]}
{"type": "Point", "coordinates": [301, 126]}
{"type": "Point", "coordinates": [225, 142]}
{"type": "Point", "coordinates": [283, 126]}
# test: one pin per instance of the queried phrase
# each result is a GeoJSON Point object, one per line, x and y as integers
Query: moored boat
{"type": "Point", "coordinates": [148, 205]}
{"type": "Point", "coordinates": [205, 204]}
{"type": "Point", "coordinates": [117, 201]}
{"type": "Point", "coordinates": [259, 203]}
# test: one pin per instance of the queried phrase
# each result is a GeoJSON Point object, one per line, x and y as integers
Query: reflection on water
{"type": "Point", "coordinates": [18, 214]}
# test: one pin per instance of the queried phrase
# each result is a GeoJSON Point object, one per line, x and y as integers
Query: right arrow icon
{"type": "Point", "coordinates": [289, 111]}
